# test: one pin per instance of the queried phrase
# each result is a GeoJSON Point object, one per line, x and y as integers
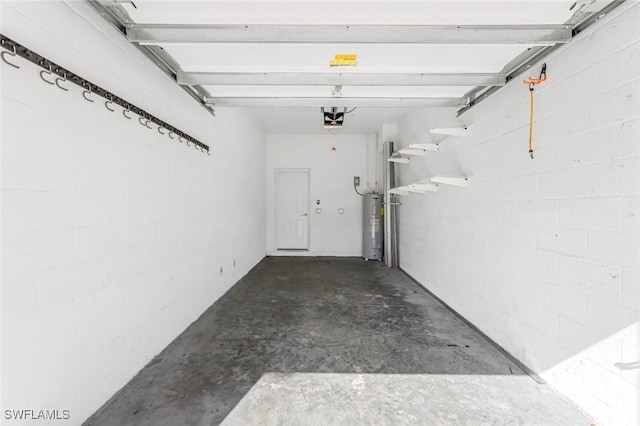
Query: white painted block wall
{"type": "Point", "coordinates": [331, 173]}
{"type": "Point", "coordinates": [543, 255]}
{"type": "Point", "coordinates": [114, 237]}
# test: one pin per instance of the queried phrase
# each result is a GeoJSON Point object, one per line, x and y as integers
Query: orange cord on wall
{"type": "Point", "coordinates": [532, 83]}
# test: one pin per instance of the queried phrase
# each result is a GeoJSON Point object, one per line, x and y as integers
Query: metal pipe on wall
{"type": "Point", "coordinates": [390, 246]}
{"type": "Point", "coordinates": [394, 227]}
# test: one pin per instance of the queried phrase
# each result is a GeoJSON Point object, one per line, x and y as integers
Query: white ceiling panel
{"type": "Point", "coordinates": [315, 58]}
{"type": "Point", "coordinates": [269, 91]}
{"type": "Point", "coordinates": [327, 91]}
{"type": "Point", "coordinates": [382, 12]}
{"type": "Point", "coordinates": [405, 91]}
{"type": "Point", "coordinates": [409, 53]}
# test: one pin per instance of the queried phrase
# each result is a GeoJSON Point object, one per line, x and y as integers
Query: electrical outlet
{"type": "Point", "coordinates": [356, 181]}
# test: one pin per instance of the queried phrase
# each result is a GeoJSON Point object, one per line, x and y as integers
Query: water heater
{"type": "Point", "coordinates": [372, 223]}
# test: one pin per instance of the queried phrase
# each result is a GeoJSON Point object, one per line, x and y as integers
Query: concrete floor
{"type": "Point", "coordinates": [375, 347]}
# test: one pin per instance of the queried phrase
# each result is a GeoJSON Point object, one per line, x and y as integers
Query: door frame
{"type": "Point", "coordinates": [275, 206]}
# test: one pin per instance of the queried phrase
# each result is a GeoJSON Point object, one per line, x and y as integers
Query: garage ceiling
{"type": "Point", "coordinates": [267, 54]}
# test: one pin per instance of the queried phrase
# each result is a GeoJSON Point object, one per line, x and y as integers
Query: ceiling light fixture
{"type": "Point", "coordinates": [333, 119]}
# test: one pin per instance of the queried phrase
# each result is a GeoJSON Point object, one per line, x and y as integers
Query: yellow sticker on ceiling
{"type": "Point", "coordinates": [344, 60]}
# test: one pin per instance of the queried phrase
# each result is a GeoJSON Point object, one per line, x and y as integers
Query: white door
{"type": "Point", "coordinates": [292, 209]}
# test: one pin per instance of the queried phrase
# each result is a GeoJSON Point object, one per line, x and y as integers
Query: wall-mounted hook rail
{"type": "Point", "coordinates": [50, 68]}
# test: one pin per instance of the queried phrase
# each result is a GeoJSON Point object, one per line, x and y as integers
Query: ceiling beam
{"type": "Point", "coordinates": [117, 16]}
{"type": "Point", "coordinates": [588, 14]}
{"type": "Point", "coordinates": [344, 79]}
{"type": "Point", "coordinates": [332, 102]}
{"type": "Point", "coordinates": [543, 34]}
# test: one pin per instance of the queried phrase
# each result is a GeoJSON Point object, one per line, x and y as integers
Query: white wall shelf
{"type": "Point", "coordinates": [412, 152]}
{"type": "Point", "coordinates": [427, 185]}
{"type": "Point", "coordinates": [451, 180]}
{"type": "Point", "coordinates": [400, 190]}
{"type": "Point", "coordinates": [397, 157]}
{"type": "Point", "coordinates": [449, 131]}
{"type": "Point", "coordinates": [425, 146]}
{"type": "Point", "coordinates": [420, 187]}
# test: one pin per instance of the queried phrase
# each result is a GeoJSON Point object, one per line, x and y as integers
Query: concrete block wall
{"type": "Point", "coordinates": [333, 161]}
{"type": "Point", "coordinates": [114, 237]}
{"type": "Point", "coordinates": [543, 255]}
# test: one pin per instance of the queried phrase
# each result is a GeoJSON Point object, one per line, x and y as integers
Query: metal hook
{"type": "Point", "coordinates": [48, 72]}
{"type": "Point", "coordinates": [187, 140]}
{"type": "Point", "coordinates": [12, 53]}
{"type": "Point", "coordinates": [140, 121]}
{"type": "Point", "coordinates": [87, 92]}
{"type": "Point", "coordinates": [63, 79]}
{"type": "Point", "coordinates": [125, 111]}
{"type": "Point", "coordinates": [180, 139]}
{"type": "Point", "coordinates": [145, 124]}
{"type": "Point", "coordinates": [107, 102]}
{"type": "Point", "coordinates": [202, 149]}
{"type": "Point", "coordinates": [159, 130]}
{"type": "Point", "coordinates": [170, 133]}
